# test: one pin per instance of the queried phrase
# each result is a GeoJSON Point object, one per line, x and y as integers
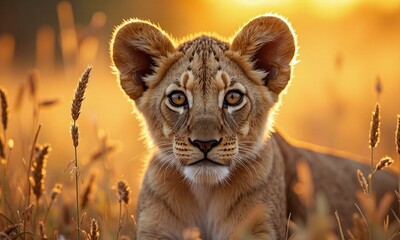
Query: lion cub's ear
{"type": "Point", "coordinates": [268, 42]}
{"type": "Point", "coordinates": [137, 47]}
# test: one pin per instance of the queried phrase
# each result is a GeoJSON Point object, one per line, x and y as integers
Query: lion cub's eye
{"type": "Point", "coordinates": [177, 99]}
{"type": "Point", "coordinates": [233, 98]}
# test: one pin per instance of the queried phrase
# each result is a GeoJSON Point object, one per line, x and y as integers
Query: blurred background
{"type": "Point", "coordinates": [345, 47]}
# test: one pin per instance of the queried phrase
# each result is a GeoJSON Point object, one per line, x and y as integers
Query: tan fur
{"type": "Point", "coordinates": [249, 167]}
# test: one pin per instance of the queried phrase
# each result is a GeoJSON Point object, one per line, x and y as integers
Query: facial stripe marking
{"type": "Point", "coordinates": [190, 81]}
{"type": "Point", "coordinates": [245, 129]}
{"type": "Point", "coordinates": [221, 96]}
{"type": "Point", "coordinates": [172, 87]}
{"type": "Point", "coordinates": [238, 86]}
{"type": "Point", "coordinates": [166, 130]}
{"type": "Point", "coordinates": [222, 79]}
{"type": "Point", "coordinates": [184, 79]}
{"type": "Point", "coordinates": [189, 98]}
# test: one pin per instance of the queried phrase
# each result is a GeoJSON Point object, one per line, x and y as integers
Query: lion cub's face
{"type": "Point", "coordinates": [205, 102]}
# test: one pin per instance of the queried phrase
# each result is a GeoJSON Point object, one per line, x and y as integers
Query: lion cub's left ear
{"type": "Point", "coordinates": [269, 44]}
{"type": "Point", "coordinates": [137, 49]}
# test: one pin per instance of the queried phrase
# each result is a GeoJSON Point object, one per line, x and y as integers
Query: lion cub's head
{"type": "Point", "coordinates": [205, 101]}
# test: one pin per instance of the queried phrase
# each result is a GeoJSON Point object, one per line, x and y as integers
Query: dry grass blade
{"type": "Point", "coordinates": [340, 225]}
{"type": "Point", "coordinates": [383, 163]}
{"type": "Point", "coordinates": [2, 150]}
{"type": "Point", "coordinates": [20, 97]}
{"type": "Point", "coordinates": [4, 108]}
{"type": "Point", "coordinates": [123, 191]}
{"type": "Point", "coordinates": [88, 191]}
{"type": "Point", "coordinates": [33, 82]}
{"type": "Point", "coordinates": [53, 195]}
{"type": "Point", "coordinates": [38, 170]}
{"type": "Point", "coordinates": [374, 129]}
{"type": "Point", "coordinates": [79, 94]}
{"type": "Point", "coordinates": [363, 182]}
{"type": "Point", "coordinates": [287, 226]}
{"type": "Point", "coordinates": [48, 103]}
{"type": "Point", "coordinates": [397, 140]}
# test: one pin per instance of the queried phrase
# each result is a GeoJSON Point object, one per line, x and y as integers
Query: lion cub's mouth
{"type": "Point", "coordinates": [206, 171]}
{"type": "Point", "coordinates": [205, 162]}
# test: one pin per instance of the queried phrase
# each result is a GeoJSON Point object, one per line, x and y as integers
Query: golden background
{"type": "Point", "coordinates": [345, 46]}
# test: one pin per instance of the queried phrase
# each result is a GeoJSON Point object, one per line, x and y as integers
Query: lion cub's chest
{"type": "Point", "coordinates": [210, 215]}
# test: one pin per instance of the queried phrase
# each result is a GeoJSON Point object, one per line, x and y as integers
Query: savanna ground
{"type": "Point", "coordinates": [345, 47]}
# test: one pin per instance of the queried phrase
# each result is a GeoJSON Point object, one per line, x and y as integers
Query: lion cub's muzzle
{"type": "Point", "coordinates": [205, 147]}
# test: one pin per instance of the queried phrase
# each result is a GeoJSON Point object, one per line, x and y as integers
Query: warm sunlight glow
{"type": "Point", "coordinates": [265, 3]}
{"type": "Point", "coordinates": [344, 49]}
{"type": "Point", "coordinates": [329, 8]}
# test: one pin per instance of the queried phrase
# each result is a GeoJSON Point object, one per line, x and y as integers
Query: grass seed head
{"type": "Point", "coordinates": [4, 108]}
{"type": "Point", "coordinates": [374, 129]}
{"type": "Point", "coordinates": [79, 94]}
{"type": "Point", "coordinates": [123, 191]}
{"type": "Point", "coordinates": [383, 163]}
{"type": "Point", "coordinates": [363, 182]}
{"type": "Point", "coordinates": [26, 214]}
{"type": "Point", "coordinates": [42, 231]}
{"type": "Point", "coordinates": [378, 86]}
{"type": "Point", "coordinates": [94, 231]}
{"type": "Point", "coordinates": [10, 231]}
{"type": "Point", "coordinates": [75, 135]}
{"type": "Point", "coordinates": [38, 170]}
{"type": "Point", "coordinates": [55, 191]}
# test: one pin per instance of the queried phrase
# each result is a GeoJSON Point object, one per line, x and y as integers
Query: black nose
{"type": "Point", "coordinates": [204, 146]}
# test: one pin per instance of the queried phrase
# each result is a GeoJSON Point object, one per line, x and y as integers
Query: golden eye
{"type": "Point", "coordinates": [177, 99]}
{"type": "Point", "coordinates": [233, 98]}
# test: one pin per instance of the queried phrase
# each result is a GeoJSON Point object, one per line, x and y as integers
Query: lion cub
{"type": "Point", "coordinates": [207, 104]}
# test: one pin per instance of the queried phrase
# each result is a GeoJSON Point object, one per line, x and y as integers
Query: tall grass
{"type": "Point", "coordinates": [75, 112]}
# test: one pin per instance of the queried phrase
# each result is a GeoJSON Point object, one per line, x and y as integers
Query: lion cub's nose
{"type": "Point", "coordinates": [205, 146]}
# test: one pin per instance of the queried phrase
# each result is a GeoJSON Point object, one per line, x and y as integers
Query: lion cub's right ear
{"type": "Point", "coordinates": [137, 47]}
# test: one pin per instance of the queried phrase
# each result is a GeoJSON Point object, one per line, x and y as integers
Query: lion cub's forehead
{"type": "Point", "coordinates": [204, 46]}
{"type": "Point", "coordinates": [202, 58]}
